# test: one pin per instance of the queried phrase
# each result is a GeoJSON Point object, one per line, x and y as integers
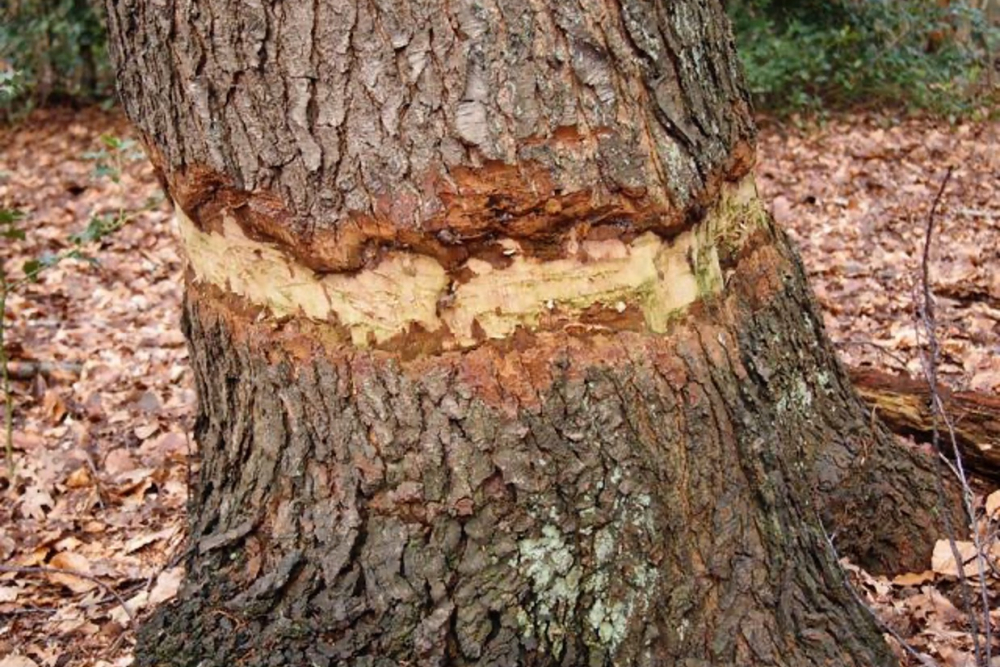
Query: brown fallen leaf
{"type": "Point", "coordinates": [68, 560]}
{"type": "Point", "coordinates": [943, 560]}
{"type": "Point", "coordinates": [26, 442]}
{"type": "Point", "coordinates": [54, 406]}
{"type": "Point", "coordinates": [79, 478]}
{"type": "Point", "coordinates": [135, 604]}
{"type": "Point", "coordinates": [167, 585]}
{"type": "Point", "coordinates": [146, 431]}
{"type": "Point", "coordinates": [132, 485]}
{"type": "Point", "coordinates": [914, 578]}
{"type": "Point", "coordinates": [956, 658]}
{"type": "Point", "coordinates": [17, 661]}
{"type": "Point", "coordinates": [145, 539]}
{"type": "Point", "coordinates": [36, 503]}
{"type": "Point", "coordinates": [119, 461]}
{"type": "Point", "coordinates": [993, 504]}
{"type": "Point", "coordinates": [935, 609]}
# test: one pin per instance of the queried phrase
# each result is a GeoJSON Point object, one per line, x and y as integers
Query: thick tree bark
{"type": "Point", "coordinates": [622, 498]}
{"type": "Point", "coordinates": [499, 359]}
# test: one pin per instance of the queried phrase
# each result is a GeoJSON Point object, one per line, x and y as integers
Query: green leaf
{"type": "Point", "coordinates": [103, 169]}
{"type": "Point", "coordinates": [111, 141]}
{"type": "Point", "coordinates": [96, 230]}
{"type": "Point", "coordinates": [10, 216]}
{"type": "Point", "coordinates": [32, 268]}
{"type": "Point", "coordinates": [13, 233]}
{"type": "Point", "coordinates": [76, 254]}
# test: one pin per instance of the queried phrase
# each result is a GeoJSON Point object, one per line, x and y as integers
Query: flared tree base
{"type": "Point", "coordinates": [619, 498]}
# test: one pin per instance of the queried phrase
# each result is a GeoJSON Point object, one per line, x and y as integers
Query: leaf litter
{"type": "Point", "coordinates": [101, 441]}
{"type": "Point", "coordinates": [102, 430]}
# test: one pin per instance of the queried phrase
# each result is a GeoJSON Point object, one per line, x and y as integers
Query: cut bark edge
{"type": "Point", "coordinates": [627, 282]}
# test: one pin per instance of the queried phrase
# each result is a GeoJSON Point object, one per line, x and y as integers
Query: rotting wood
{"type": "Point", "coordinates": [903, 405]}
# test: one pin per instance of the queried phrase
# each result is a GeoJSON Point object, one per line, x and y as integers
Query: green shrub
{"type": "Point", "coordinates": [811, 56]}
{"type": "Point", "coordinates": [52, 51]}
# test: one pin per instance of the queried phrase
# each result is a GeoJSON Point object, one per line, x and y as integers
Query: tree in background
{"type": "Point", "coordinates": [500, 359]}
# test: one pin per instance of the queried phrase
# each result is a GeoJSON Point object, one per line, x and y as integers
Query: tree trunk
{"type": "Point", "coordinates": [500, 360]}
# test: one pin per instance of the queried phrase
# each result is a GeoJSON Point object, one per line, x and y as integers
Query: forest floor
{"type": "Point", "coordinates": [104, 401]}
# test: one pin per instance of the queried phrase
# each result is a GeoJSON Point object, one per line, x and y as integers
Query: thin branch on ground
{"type": "Point", "coordinates": [8, 399]}
{"type": "Point", "coordinates": [29, 370]}
{"type": "Point", "coordinates": [41, 569]}
{"type": "Point", "coordinates": [879, 348]}
{"type": "Point", "coordinates": [930, 361]}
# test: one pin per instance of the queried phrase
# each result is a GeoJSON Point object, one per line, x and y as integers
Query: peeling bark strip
{"type": "Point", "coordinates": [337, 127]}
{"type": "Point", "coordinates": [621, 499]}
{"type": "Point", "coordinates": [600, 284]}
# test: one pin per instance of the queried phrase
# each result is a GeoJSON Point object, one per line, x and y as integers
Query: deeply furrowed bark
{"type": "Point", "coordinates": [499, 360]}
{"type": "Point", "coordinates": [620, 499]}
{"type": "Point", "coordinates": [432, 125]}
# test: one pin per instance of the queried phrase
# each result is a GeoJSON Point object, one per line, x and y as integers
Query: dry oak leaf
{"type": "Point", "coordinates": [79, 478]}
{"type": "Point", "coordinates": [140, 541]}
{"type": "Point", "coordinates": [914, 578]}
{"type": "Point", "coordinates": [146, 431]}
{"type": "Point", "coordinates": [992, 504]}
{"type": "Point", "coordinates": [36, 503]}
{"type": "Point", "coordinates": [943, 560]}
{"type": "Point", "coordinates": [68, 560]}
{"type": "Point", "coordinates": [167, 585]}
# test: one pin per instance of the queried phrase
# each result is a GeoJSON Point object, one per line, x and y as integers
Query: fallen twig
{"type": "Point", "coordinates": [938, 412]}
{"type": "Point", "coordinates": [28, 370]}
{"type": "Point", "coordinates": [42, 569]}
{"type": "Point", "coordinates": [900, 361]}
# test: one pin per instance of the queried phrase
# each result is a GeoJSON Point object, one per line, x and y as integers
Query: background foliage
{"type": "Point", "coordinates": [809, 55]}
{"type": "Point", "coordinates": [52, 51]}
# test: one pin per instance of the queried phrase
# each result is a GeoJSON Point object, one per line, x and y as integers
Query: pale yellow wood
{"type": "Point", "coordinates": [661, 278]}
{"type": "Point", "coordinates": [375, 304]}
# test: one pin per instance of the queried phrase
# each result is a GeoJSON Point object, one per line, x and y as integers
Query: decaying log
{"type": "Point", "coordinates": [904, 405]}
